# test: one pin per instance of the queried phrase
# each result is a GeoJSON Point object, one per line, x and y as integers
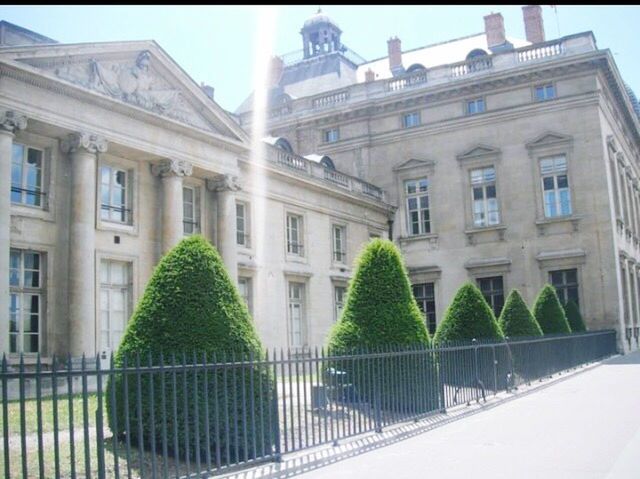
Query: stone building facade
{"type": "Point", "coordinates": [109, 155]}
{"type": "Point", "coordinates": [513, 163]}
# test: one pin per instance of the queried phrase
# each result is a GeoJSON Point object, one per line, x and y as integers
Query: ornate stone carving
{"type": "Point", "coordinates": [172, 168]}
{"type": "Point", "coordinates": [224, 183]}
{"type": "Point", "coordinates": [11, 121]}
{"type": "Point", "coordinates": [82, 140]}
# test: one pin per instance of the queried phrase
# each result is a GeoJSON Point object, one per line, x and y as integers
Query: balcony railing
{"type": "Point", "coordinates": [414, 78]}
{"type": "Point", "coordinates": [313, 169]}
{"type": "Point", "coordinates": [331, 99]}
{"type": "Point", "coordinates": [540, 52]}
{"type": "Point", "coordinates": [471, 66]}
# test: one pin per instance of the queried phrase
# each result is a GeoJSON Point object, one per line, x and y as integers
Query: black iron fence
{"type": "Point", "coordinates": [193, 415]}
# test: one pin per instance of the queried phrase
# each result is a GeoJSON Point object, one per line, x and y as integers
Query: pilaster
{"type": "Point", "coordinates": [225, 187]}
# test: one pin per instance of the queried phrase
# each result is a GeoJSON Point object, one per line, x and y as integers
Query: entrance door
{"type": "Point", "coordinates": [115, 295]}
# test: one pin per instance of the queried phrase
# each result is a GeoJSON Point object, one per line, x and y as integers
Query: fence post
{"type": "Point", "coordinates": [274, 404]}
{"type": "Point", "coordinates": [440, 365]}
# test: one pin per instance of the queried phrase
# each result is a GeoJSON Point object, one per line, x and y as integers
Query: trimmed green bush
{"type": "Point", "coordinates": [381, 313]}
{"type": "Point", "coordinates": [468, 317]}
{"type": "Point", "coordinates": [516, 319]}
{"type": "Point", "coordinates": [574, 318]}
{"type": "Point", "coordinates": [190, 308]}
{"type": "Point", "coordinates": [549, 312]}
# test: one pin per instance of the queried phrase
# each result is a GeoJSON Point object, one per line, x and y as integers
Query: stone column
{"type": "Point", "coordinates": [172, 172]}
{"type": "Point", "coordinates": [226, 186]}
{"type": "Point", "coordinates": [9, 122]}
{"type": "Point", "coordinates": [83, 149]}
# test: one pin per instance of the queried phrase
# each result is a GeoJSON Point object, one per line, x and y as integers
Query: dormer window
{"type": "Point", "coordinates": [478, 52]}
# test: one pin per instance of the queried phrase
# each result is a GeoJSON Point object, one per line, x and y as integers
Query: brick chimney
{"type": "Point", "coordinates": [533, 24]}
{"type": "Point", "coordinates": [494, 28]}
{"type": "Point", "coordinates": [276, 67]}
{"type": "Point", "coordinates": [394, 49]}
{"type": "Point", "coordinates": [369, 75]}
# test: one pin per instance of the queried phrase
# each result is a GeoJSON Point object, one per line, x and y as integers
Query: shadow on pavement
{"type": "Point", "coordinates": [631, 358]}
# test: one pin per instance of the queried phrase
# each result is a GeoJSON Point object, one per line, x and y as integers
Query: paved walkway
{"type": "Point", "coordinates": [587, 426]}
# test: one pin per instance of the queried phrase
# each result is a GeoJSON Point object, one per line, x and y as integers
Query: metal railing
{"type": "Point", "coordinates": [192, 415]}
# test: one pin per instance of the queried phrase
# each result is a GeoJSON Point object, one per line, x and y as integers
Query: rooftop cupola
{"type": "Point", "coordinates": [320, 35]}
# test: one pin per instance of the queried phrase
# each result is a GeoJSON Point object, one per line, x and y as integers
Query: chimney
{"type": "Point", "coordinates": [494, 28]}
{"type": "Point", "coordinates": [533, 24]}
{"type": "Point", "coordinates": [394, 49]}
{"type": "Point", "coordinates": [276, 67]}
{"type": "Point", "coordinates": [369, 75]}
{"type": "Point", "coordinates": [207, 89]}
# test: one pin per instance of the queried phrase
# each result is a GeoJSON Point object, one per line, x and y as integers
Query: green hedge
{"type": "Point", "coordinates": [189, 308]}
{"type": "Point", "coordinates": [549, 312]}
{"type": "Point", "coordinates": [516, 319]}
{"type": "Point", "coordinates": [468, 317]}
{"type": "Point", "coordinates": [381, 313]}
{"type": "Point", "coordinates": [574, 318]}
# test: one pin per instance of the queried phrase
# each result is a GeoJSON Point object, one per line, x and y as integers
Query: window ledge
{"type": "Point", "coordinates": [472, 232]}
{"type": "Point", "coordinates": [542, 223]}
{"type": "Point", "coordinates": [341, 267]}
{"type": "Point", "coordinates": [34, 212]}
{"type": "Point", "coordinates": [431, 237]}
{"type": "Point", "coordinates": [119, 227]}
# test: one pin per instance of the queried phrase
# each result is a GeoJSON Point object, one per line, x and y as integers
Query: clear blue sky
{"type": "Point", "coordinates": [215, 44]}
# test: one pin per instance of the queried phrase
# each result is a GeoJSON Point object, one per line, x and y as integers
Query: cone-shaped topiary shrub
{"type": "Point", "coordinates": [468, 317]}
{"type": "Point", "coordinates": [189, 309]}
{"type": "Point", "coordinates": [381, 314]}
{"type": "Point", "coordinates": [549, 312]}
{"type": "Point", "coordinates": [574, 318]}
{"type": "Point", "coordinates": [516, 319]}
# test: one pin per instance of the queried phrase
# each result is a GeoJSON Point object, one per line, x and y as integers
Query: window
{"type": "Point", "coordinates": [114, 195]}
{"type": "Point", "coordinates": [331, 135]}
{"type": "Point", "coordinates": [190, 210]}
{"type": "Point", "coordinates": [493, 291]}
{"type": "Point", "coordinates": [296, 314]}
{"type": "Point", "coordinates": [26, 277]}
{"type": "Point", "coordinates": [339, 298]}
{"type": "Point", "coordinates": [545, 92]}
{"type": "Point", "coordinates": [26, 175]}
{"type": "Point", "coordinates": [242, 224]}
{"type": "Point", "coordinates": [483, 191]}
{"type": "Point", "coordinates": [555, 186]}
{"type": "Point", "coordinates": [411, 119]}
{"type": "Point", "coordinates": [419, 221]}
{"type": "Point", "coordinates": [244, 286]}
{"type": "Point", "coordinates": [566, 283]}
{"type": "Point", "coordinates": [339, 244]}
{"type": "Point", "coordinates": [294, 235]}
{"type": "Point", "coordinates": [425, 296]}
{"type": "Point", "coordinates": [115, 297]}
{"type": "Point", "coordinates": [475, 106]}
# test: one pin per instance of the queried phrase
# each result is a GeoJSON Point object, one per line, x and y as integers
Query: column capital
{"type": "Point", "coordinates": [172, 168]}
{"type": "Point", "coordinates": [90, 142]}
{"type": "Point", "coordinates": [224, 183]}
{"type": "Point", "coordinates": [11, 121]}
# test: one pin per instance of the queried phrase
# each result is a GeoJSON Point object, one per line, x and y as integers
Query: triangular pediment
{"type": "Point", "coordinates": [479, 151]}
{"type": "Point", "coordinates": [547, 139]}
{"type": "Point", "coordinates": [138, 74]}
{"type": "Point", "coordinates": [414, 163]}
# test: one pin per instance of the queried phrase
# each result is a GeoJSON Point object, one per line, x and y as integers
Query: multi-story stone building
{"type": "Point", "coordinates": [110, 154]}
{"type": "Point", "coordinates": [513, 163]}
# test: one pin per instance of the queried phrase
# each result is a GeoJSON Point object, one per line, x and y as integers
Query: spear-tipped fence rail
{"type": "Point", "coordinates": [196, 415]}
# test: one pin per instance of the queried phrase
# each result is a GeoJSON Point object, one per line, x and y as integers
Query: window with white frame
{"type": "Point", "coordinates": [26, 175]}
{"type": "Point", "coordinates": [555, 186]}
{"type": "Point", "coordinates": [244, 287]}
{"type": "Point", "coordinates": [296, 314]}
{"type": "Point", "coordinates": [410, 120]}
{"type": "Point", "coordinates": [475, 106]}
{"type": "Point", "coordinates": [545, 92]}
{"type": "Point", "coordinates": [339, 243]}
{"type": "Point", "coordinates": [483, 193]}
{"type": "Point", "coordinates": [339, 298]}
{"type": "Point", "coordinates": [114, 194]}
{"type": "Point", "coordinates": [295, 234]}
{"type": "Point", "coordinates": [331, 135]}
{"type": "Point", "coordinates": [242, 224]}
{"type": "Point", "coordinates": [419, 219]}
{"type": "Point", "coordinates": [190, 210]}
{"type": "Point", "coordinates": [26, 300]}
{"type": "Point", "coordinates": [426, 299]}
{"type": "Point", "coordinates": [115, 298]}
